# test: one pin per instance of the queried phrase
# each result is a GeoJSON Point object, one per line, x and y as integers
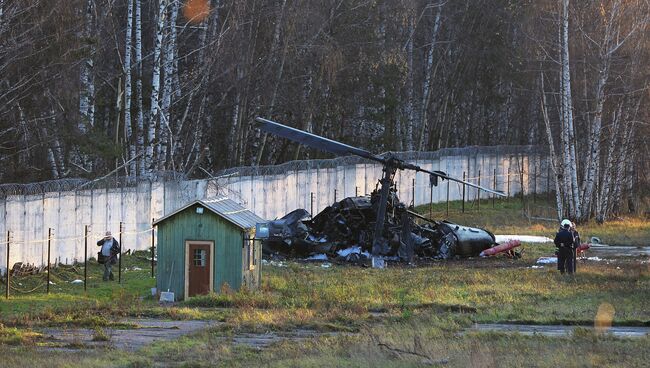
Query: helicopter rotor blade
{"type": "Point", "coordinates": [442, 175]}
{"type": "Point", "coordinates": [313, 140]}
{"type": "Point", "coordinates": [332, 146]}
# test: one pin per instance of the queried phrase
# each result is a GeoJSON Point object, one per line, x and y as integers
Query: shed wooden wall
{"type": "Point", "coordinates": [188, 225]}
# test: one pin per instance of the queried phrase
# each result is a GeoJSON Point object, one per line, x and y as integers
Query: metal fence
{"type": "Point", "coordinates": [27, 211]}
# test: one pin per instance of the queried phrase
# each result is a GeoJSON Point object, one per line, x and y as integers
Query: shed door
{"type": "Point", "coordinates": [199, 269]}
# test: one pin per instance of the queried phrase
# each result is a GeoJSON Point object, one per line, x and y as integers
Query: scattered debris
{"type": "Point", "coordinates": [344, 231]}
{"type": "Point", "coordinates": [77, 281]}
{"type": "Point", "coordinates": [23, 269]}
{"type": "Point", "coordinates": [273, 263]}
{"type": "Point", "coordinates": [546, 260]}
{"type": "Point", "coordinates": [317, 257]}
{"type": "Point", "coordinates": [523, 238]}
{"type": "Point", "coordinates": [509, 246]}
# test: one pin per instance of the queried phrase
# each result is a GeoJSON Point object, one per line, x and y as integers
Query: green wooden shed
{"type": "Point", "coordinates": [207, 245]}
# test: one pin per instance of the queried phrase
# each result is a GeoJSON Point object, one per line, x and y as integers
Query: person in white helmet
{"type": "Point", "coordinates": [565, 241]}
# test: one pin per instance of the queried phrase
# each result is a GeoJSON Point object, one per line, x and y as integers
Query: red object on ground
{"type": "Point", "coordinates": [583, 247]}
{"type": "Point", "coordinates": [500, 248]}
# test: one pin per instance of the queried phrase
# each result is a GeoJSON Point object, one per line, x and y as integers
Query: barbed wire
{"type": "Point", "coordinates": [467, 152]}
{"type": "Point", "coordinates": [78, 184]}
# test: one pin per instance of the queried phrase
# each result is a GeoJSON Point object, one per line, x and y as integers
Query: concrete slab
{"type": "Point", "coordinates": [558, 330]}
{"type": "Point", "coordinates": [147, 332]}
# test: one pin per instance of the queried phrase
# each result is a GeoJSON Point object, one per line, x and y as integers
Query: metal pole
{"type": "Point", "coordinates": [119, 261]}
{"type": "Point", "coordinates": [311, 203]}
{"type": "Point", "coordinates": [413, 192]}
{"type": "Point", "coordinates": [548, 184]}
{"type": "Point", "coordinates": [508, 182]}
{"type": "Point", "coordinates": [448, 181]}
{"type": "Point", "coordinates": [335, 195]}
{"type": "Point", "coordinates": [8, 274]}
{"type": "Point", "coordinates": [152, 245]}
{"type": "Point", "coordinates": [478, 202]}
{"type": "Point", "coordinates": [521, 182]}
{"type": "Point", "coordinates": [49, 245]}
{"type": "Point", "coordinates": [356, 191]}
{"type": "Point", "coordinates": [535, 184]}
{"type": "Point", "coordinates": [85, 257]}
{"type": "Point", "coordinates": [430, 200]}
{"type": "Point", "coordinates": [495, 188]}
{"type": "Point", "coordinates": [463, 192]}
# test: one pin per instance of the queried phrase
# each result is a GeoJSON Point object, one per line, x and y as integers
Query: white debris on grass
{"type": "Point", "coordinates": [356, 249]}
{"type": "Point", "coordinates": [137, 269]}
{"type": "Point", "coordinates": [595, 259]}
{"type": "Point", "coordinates": [273, 263]}
{"type": "Point", "coordinates": [77, 281]}
{"type": "Point", "coordinates": [523, 238]}
{"type": "Point", "coordinates": [536, 267]}
{"type": "Point", "coordinates": [317, 257]}
{"type": "Point", "coordinates": [51, 283]}
{"type": "Point", "coordinates": [546, 260]}
{"type": "Point", "coordinates": [326, 265]}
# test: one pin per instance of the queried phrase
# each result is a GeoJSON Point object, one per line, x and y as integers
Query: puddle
{"type": "Point", "coordinates": [557, 330]}
{"type": "Point", "coordinates": [149, 331]}
{"type": "Point", "coordinates": [261, 341]}
{"type": "Point", "coordinates": [618, 251]}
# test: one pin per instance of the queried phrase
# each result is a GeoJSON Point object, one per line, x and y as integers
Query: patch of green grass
{"type": "Point", "coordinates": [15, 336]}
{"type": "Point", "coordinates": [99, 334]}
{"type": "Point", "coordinates": [375, 313]}
{"type": "Point", "coordinates": [507, 217]}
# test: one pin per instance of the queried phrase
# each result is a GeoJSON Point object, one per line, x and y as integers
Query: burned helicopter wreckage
{"type": "Point", "coordinates": [378, 226]}
{"type": "Point", "coordinates": [345, 229]}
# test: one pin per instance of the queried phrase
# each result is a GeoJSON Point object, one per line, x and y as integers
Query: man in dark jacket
{"type": "Point", "coordinates": [110, 250]}
{"type": "Point", "coordinates": [564, 241]}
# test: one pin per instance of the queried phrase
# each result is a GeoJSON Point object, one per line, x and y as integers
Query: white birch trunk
{"type": "Point", "coordinates": [567, 107]}
{"type": "Point", "coordinates": [51, 159]}
{"type": "Point", "coordinates": [168, 67]}
{"type": "Point", "coordinates": [87, 90]}
{"type": "Point", "coordinates": [602, 202]}
{"type": "Point", "coordinates": [138, 87]}
{"type": "Point", "coordinates": [410, 119]}
{"type": "Point", "coordinates": [554, 164]}
{"type": "Point", "coordinates": [128, 129]}
{"type": "Point", "coordinates": [155, 87]}
{"type": "Point", "coordinates": [278, 77]}
{"type": "Point", "coordinates": [428, 77]}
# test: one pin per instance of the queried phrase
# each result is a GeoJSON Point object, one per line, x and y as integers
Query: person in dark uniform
{"type": "Point", "coordinates": [576, 245]}
{"type": "Point", "coordinates": [564, 241]}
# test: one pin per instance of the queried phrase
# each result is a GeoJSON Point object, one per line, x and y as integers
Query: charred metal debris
{"type": "Point", "coordinates": [344, 232]}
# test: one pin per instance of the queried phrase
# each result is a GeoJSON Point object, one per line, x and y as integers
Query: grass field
{"type": "Point", "coordinates": [396, 317]}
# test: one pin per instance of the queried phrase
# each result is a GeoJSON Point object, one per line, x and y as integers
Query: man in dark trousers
{"type": "Point", "coordinates": [564, 241]}
{"type": "Point", "coordinates": [576, 245]}
{"type": "Point", "coordinates": [110, 250]}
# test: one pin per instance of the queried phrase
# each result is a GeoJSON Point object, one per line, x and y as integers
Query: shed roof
{"type": "Point", "coordinates": [224, 207]}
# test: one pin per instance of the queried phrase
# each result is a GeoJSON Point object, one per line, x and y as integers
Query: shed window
{"type": "Point", "coordinates": [199, 257]}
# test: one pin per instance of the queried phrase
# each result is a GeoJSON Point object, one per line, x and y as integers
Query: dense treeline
{"type": "Point", "coordinates": [88, 86]}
